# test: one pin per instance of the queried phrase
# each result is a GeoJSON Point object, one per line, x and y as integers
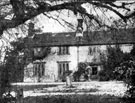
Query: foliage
{"type": "Point", "coordinates": [103, 75]}
{"type": "Point", "coordinates": [74, 99]}
{"type": "Point", "coordinates": [42, 54]}
{"type": "Point", "coordinates": [120, 66]}
{"type": "Point", "coordinates": [15, 61]}
{"type": "Point", "coordinates": [12, 68]}
{"type": "Point", "coordinates": [16, 58]}
{"type": "Point", "coordinates": [114, 57]}
{"type": "Point", "coordinates": [81, 71]}
{"type": "Point", "coordinates": [4, 82]}
{"type": "Point", "coordinates": [16, 12]}
{"type": "Point", "coordinates": [126, 70]}
{"type": "Point", "coordinates": [24, 10]}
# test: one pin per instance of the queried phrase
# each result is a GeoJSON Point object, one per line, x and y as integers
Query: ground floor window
{"type": "Point", "coordinates": [39, 69]}
{"type": "Point", "coordinates": [63, 67]}
{"type": "Point", "coordinates": [94, 70]}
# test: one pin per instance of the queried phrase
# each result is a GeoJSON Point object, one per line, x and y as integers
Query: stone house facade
{"type": "Point", "coordinates": [66, 51]}
{"type": "Point", "coordinates": [61, 58]}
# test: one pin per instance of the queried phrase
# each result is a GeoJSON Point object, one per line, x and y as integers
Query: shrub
{"type": "Point", "coordinates": [81, 70]}
{"type": "Point", "coordinates": [127, 71]}
{"type": "Point", "coordinates": [76, 76]}
{"type": "Point", "coordinates": [114, 58]}
{"type": "Point", "coordinates": [103, 76]}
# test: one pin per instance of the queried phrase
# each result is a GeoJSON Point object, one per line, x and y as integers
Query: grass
{"type": "Point", "coordinates": [76, 99]}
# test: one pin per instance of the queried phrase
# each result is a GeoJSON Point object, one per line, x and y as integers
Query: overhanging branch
{"type": "Point", "coordinates": [21, 16]}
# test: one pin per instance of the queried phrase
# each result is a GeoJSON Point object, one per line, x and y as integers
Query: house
{"type": "Point", "coordinates": [65, 54]}
{"type": "Point", "coordinates": [66, 51]}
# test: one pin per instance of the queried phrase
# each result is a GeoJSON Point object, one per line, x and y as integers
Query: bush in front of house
{"type": "Point", "coordinates": [81, 72]}
{"type": "Point", "coordinates": [126, 72]}
{"type": "Point", "coordinates": [113, 59]}
{"type": "Point", "coordinates": [103, 76]}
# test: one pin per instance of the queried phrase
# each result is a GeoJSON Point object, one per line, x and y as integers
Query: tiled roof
{"type": "Point", "coordinates": [96, 37]}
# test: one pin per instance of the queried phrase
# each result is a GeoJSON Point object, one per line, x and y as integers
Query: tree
{"type": "Point", "coordinates": [16, 58]}
{"type": "Point", "coordinates": [115, 57]}
{"type": "Point", "coordinates": [16, 12]}
{"type": "Point", "coordinates": [126, 69]}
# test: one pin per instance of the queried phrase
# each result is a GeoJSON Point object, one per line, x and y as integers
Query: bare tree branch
{"type": "Point", "coordinates": [121, 6]}
{"type": "Point", "coordinates": [23, 12]}
{"type": "Point", "coordinates": [54, 19]}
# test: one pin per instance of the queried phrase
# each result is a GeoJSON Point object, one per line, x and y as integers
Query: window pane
{"type": "Point", "coordinates": [35, 69]}
{"type": "Point", "coordinates": [43, 69]}
{"type": "Point", "coordinates": [94, 70]}
{"type": "Point", "coordinates": [59, 50]}
{"type": "Point", "coordinates": [59, 69]}
{"type": "Point", "coordinates": [67, 50]}
{"type": "Point", "coordinates": [67, 67]}
{"type": "Point", "coordinates": [39, 70]}
{"type": "Point", "coordinates": [64, 50]}
{"type": "Point", "coordinates": [93, 49]}
{"type": "Point", "coordinates": [63, 68]}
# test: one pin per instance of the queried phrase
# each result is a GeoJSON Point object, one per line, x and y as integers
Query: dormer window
{"type": "Point", "coordinates": [63, 50]}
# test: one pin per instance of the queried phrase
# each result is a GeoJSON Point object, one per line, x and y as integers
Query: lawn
{"type": "Point", "coordinates": [114, 88]}
{"type": "Point", "coordinates": [81, 92]}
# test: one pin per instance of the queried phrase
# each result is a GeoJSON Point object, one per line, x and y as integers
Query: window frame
{"type": "Point", "coordinates": [63, 50]}
{"type": "Point", "coordinates": [93, 50]}
{"type": "Point", "coordinates": [63, 66]}
{"type": "Point", "coordinates": [37, 69]}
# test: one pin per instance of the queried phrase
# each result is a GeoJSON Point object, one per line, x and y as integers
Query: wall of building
{"type": "Point", "coordinates": [51, 62]}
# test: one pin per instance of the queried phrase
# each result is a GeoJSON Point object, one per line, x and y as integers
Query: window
{"type": "Point", "coordinates": [39, 69]}
{"type": "Point", "coordinates": [94, 70]}
{"type": "Point", "coordinates": [63, 50]}
{"type": "Point", "coordinates": [93, 50]}
{"type": "Point", "coordinates": [62, 68]}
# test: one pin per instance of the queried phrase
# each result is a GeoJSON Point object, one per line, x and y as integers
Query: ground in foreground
{"type": "Point", "coordinates": [76, 99]}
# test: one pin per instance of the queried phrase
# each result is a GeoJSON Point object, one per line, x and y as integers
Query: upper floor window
{"type": "Point", "coordinates": [93, 50]}
{"type": "Point", "coordinates": [63, 50]}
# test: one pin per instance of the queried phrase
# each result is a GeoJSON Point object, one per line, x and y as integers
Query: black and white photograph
{"type": "Point", "coordinates": [67, 51]}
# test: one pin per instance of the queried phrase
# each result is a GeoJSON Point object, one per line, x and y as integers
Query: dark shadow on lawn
{"type": "Point", "coordinates": [32, 87]}
{"type": "Point", "coordinates": [76, 99]}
